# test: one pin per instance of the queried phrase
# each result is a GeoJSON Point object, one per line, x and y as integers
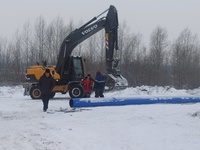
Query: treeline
{"type": "Point", "coordinates": [161, 63]}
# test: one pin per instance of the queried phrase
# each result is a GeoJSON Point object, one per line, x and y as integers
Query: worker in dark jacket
{"type": "Point", "coordinates": [99, 84]}
{"type": "Point", "coordinates": [46, 84]}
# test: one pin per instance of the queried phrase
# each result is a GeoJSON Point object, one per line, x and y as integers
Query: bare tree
{"type": "Point", "coordinates": [60, 32]}
{"type": "Point", "coordinates": [50, 34]}
{"type": "Point", "coordinates": [39, 42]}
{"type": "Point", "coordinates": [185, 60]}
{"type": "Point", "coordinates": [123, 37]}
{"type": "Point", "coordinates": [8, 63]}
{"type": "Point", "coordinates": [16, 57]}
{"type": "Point", "coordinates": [99, 47]}
{"type": "Point", "coordinates": [158, 45]}
{"type": "Point", "coordinates": [26, 43]}
{"type": "Point", "coordinates": [133, 56]}
{"type": "Point", "coordinates": [3, 59]}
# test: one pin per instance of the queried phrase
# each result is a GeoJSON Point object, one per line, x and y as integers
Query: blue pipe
{"type": "Point", "coordinates": [112, 101]}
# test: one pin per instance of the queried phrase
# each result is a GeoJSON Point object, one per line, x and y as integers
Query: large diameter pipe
{"type": "Point", "coordinates": [112, 101]}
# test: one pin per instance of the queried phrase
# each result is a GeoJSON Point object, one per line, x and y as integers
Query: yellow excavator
{"type": "Point", "coordinates": [70, 70]}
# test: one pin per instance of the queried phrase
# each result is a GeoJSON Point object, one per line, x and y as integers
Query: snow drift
{"type": "Point", "coordinates": [24, 125]}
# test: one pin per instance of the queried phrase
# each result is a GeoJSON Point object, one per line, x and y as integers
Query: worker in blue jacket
{"type": "Point", "coordinates": [99, 84]}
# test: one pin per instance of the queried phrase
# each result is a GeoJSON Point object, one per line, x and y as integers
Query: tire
{"type": "Point", "coordinates": [76, 91]}
{"type": "Point", "coordinates": [35, 92]}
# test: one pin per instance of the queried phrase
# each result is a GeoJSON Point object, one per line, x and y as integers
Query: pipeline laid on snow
{"type": "Point", "coordinates": [113, 101]}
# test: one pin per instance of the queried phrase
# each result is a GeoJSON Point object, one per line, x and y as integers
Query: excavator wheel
{"type": "Point", "coordinates": [76, 91]}
{"type": "Point", "coordinates": [35, 92]}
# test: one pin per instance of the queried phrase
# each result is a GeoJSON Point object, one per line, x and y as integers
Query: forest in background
{"type": "Point", "coordinates": [161, 62]}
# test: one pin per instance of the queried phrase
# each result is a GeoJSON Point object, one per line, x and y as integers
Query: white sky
{"type": "Point", "coordinates": [140, 15]}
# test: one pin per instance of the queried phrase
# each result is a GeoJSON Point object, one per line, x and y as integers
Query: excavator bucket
{"type": "Point", "coordinates": [114, 82]}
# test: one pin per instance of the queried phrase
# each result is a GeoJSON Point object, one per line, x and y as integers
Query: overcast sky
{"type": "Point", "coordinates": [140, 15]}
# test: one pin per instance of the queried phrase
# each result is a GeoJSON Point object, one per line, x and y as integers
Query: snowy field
{"type": "Point", "coordinates": [24, 126]}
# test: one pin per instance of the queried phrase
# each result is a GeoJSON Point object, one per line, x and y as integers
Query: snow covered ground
{"type": "Point", "coordinates": [24, 126]}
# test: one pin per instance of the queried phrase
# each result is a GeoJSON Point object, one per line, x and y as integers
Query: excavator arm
{"type": "Point", "coordinates": [73, 39]}
{"type": "Point", "coordinates": [110, 24]}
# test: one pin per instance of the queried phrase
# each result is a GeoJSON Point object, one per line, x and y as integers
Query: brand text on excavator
{"type": "Point", "coordinates": [89, 29]}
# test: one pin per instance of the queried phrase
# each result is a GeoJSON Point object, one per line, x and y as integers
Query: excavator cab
{"type": "Point", "coordinates": [75, 70]}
